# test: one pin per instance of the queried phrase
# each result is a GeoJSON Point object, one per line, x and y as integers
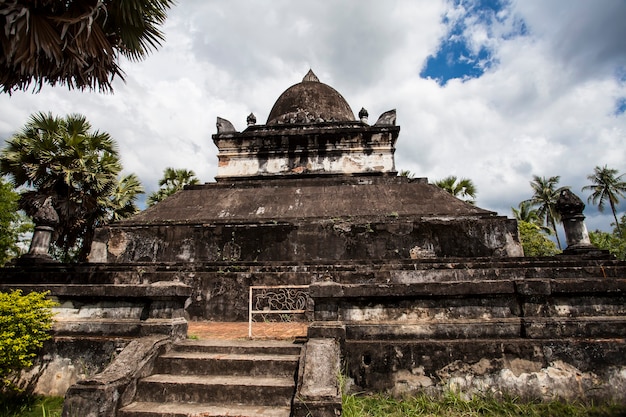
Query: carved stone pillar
{"type": "Point", "coordinates": [45, 219]}
{"type": "Point", "coordinates": [40, 243]}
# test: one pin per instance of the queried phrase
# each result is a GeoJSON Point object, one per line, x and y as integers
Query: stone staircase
{"type": "Point", "coordinates": [213, 378]}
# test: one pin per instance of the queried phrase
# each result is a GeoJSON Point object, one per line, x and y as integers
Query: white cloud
{"type": "Point", "coordinates": [546, 107]}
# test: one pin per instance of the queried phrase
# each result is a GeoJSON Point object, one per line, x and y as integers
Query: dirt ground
{"type": "Point", "coordinates": [239, 330]}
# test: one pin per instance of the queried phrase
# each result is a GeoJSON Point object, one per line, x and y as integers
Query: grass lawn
{"type": "Point", "coordinates": [452, 405]}
{"type": "Point", "coordinates": [29, 406]}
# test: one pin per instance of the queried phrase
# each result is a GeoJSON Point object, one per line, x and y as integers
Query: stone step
{"type": "Point", "coordinates": [266, 391]}
{"type": "Point", "coordinates": [267, 347]}
{"type": "Point", "coordinates": [217, 363]}
{"type": "Point", "coordinates": [151, 409]}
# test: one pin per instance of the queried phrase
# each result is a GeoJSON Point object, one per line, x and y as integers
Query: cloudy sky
{"type": "Point", "coordinates": [496, 91]}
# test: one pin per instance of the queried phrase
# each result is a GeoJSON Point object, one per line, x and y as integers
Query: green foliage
{"type": "Point", "coordinates": [173, 180]}
{"type": "Point", "coordinates": [454, 405]}
{"type": "Point", "coordinates": [13, 224]}
{"type": "Point", "coordinates": [534, 240]}
{"type": "Point", "coordinates": [406, 173]}
{"type": "Point", "coordinates": [25, 321]}
{"type": "Point", "coordinates": [613, 242]}
{"type": "Point", "coordinates": [23, 405]}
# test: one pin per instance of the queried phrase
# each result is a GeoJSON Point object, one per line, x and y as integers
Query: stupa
{"type": "Point", "coordinates": [312, 184]}
{"type": "Point", "coordinates": [413, 289]}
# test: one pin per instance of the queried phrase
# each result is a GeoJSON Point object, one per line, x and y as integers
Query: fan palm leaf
{"type": "Point", "coordinates": [75, 43]}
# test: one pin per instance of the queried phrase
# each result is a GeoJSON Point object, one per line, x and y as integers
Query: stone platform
{"type": "Point", "coordinates": [326, 219]}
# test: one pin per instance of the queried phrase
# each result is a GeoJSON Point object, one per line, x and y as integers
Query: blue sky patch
{"type": "Point", "coordinates": [455, 59]}
{"type": "Point", "coordinates": [621, 106]}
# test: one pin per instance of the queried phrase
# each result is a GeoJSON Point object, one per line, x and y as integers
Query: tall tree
{"type": "Point", "coordinates": [76, 43]}
{"type": "Point", "coordinates": [62, 158]}
{"type": "Point", "coordinates": [172, 181]}
{"type": "Point", "coordinates": [605, 186]}
{"type": "Point", "coordinates": [463, 188]}
{"type": "Point", "coordinates": [545, 196]}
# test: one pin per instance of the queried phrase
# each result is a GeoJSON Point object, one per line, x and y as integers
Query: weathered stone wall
{"type": "Point", "coordinates": [535, 329]}
{"type": "Point", "coordinates": [532, 327]}
{"type": "Point", "coordinates": [66, 360]}
{"type": "Point", "coordinates": [325, 240]}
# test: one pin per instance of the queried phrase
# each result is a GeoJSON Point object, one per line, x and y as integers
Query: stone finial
{"type": "Point", "coordinates": [569, 204]}
{"type": "Point", "coordinates": [224, 126]}
{"type": "Point", "coordinates": [570, 207]}
{"type": "Point", "coordinates": [387, 118]}
{"type": "Point", "coordinates": [363, 115]}
{"type": "Point", "coordinates": [251, 119]}
{"type": "Point", "coordinates": [45, 214]}
{"type": "Point", "coordinates": [310, 76]}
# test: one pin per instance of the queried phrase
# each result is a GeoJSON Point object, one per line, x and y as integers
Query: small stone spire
{"type": "Point", "coordinates": [251, 119]}
{"type": "Point", "coordinates": [310, 76]}
{"type": "Point", "coordinates": [363, 115]}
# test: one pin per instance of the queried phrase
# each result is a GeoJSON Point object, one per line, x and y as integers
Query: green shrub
{"type": "Point", "coordinates": [25, 321]}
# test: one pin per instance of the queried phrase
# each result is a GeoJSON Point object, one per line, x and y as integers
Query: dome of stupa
{"type": "Point", "coordinates": [310, 101]}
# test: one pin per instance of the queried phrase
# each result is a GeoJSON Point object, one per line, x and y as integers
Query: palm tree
{"type": "Point", "coordinates": [76, 43]}
{"type": "Point", "coordinates": [526, 213]}
{"type": "Point", "coordinates": [122, 202]}
{"type": "Point", "coordinates": [545, 196]}
{"type": "Point", "coordinates": [606, 186]}
{"type": "Point", "coordinates": [172, 181]}
{"type": "Point", "coordinates": [63, 159]}
{"type": "Point", "coordinates": [463, 187]}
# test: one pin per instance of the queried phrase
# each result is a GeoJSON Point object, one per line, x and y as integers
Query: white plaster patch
{"type": "Point", "coordinates": [365, 314]}
{"type": "Point", "coordinates": [406, 382]}
{"type": "Point", "coordinates": [562, 310]}
{"type": "Point", "coordinates": [186, 251]}
{"type": "Point", "coordinates": [118, 243]}
{"type": "Point", "coordinates": [98, 252]}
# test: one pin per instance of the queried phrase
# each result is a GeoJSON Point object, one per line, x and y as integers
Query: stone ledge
{"type": "Point", "coordinates": [175, 327]}
{"type": "Point", "coordinates": [434, 329]}
{"type": "Point", "coordinates": [156, 290]}
{"type": "Point", "coordinates": [470, 288]}
{"type": "Point", "coordinates": [584, 327]}
{"type": "Point", "coordinates": [534, 286]}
